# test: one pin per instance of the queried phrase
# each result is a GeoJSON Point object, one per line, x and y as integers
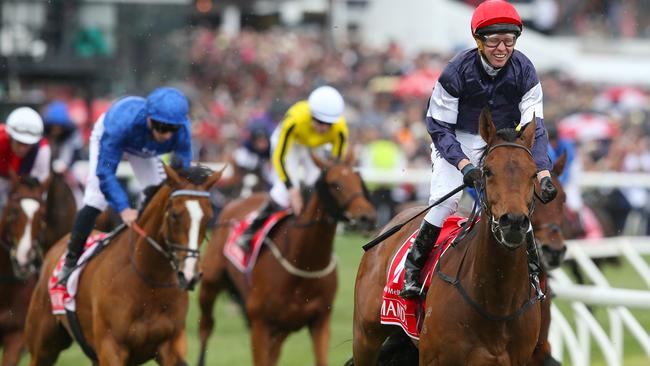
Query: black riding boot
{"type": "Point", "coordinates": [269, 208]}
{"type": "Point", "coordinates": [83, 225]}
{"type": "Point", "coordinates": [416, 258]}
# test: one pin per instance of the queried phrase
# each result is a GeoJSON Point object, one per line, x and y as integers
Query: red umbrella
{"type": "Point", "coordinates": [622, 97]}
{"type": "Point", "coordinates": [587, 126]}
{"type": "Point", "coordinates": [417, 84]}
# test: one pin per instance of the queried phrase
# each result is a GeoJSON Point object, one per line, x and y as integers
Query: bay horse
{"type": "Point", "coordinates": [294, 285]}
{"type": "Point", "coordinates": [547, 223]}
{"type": "Point", "coordinates": [21, 224]}
{"type": "Point", "coordinates": [490, 317]}
{"type": "Point", "coordinates": [131, 302]}
{"type": "Point", "coordinates": [60, 212]}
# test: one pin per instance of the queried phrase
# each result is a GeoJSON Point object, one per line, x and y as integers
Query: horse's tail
{"type": "Point", "coordinates": [236, 296]}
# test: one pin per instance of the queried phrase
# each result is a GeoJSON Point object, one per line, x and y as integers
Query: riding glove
{"type": "Point", "coordinates": [471, 175]}
{"type": "Point", "coordinates": [548, 190]}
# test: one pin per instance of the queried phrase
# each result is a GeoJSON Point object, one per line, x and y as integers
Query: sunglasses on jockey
{"type": "Point", "coordinates": [163, 127]}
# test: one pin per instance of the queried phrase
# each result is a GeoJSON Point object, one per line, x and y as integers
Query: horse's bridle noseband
{"type": "Point", "coordinates": [495, 228]}
{"type": "Point", "coordinates": [170, 249]}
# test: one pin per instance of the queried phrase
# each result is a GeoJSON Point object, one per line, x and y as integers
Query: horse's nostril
{"type": "Point", "coordinates": [514, 221]}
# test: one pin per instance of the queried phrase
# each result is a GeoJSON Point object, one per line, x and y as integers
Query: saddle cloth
{"type": "Point", "coordinates": [63, 297]}
{"type": "Point", "coordinates": [406, 312]}
{"type": "Point", "coordinates": [242, 260]}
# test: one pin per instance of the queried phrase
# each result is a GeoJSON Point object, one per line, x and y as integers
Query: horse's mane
{"type": "Point", "coordinates": [194, 174]}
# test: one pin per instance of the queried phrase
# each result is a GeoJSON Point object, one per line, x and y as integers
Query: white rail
{"type": "Point", "coordinates": [601, 293]}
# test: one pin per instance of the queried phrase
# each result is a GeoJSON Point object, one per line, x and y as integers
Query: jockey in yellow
{"type": "Point", "coordinates": [313, 123]}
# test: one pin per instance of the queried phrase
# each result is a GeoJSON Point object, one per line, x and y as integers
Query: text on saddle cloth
{"type": "Point", "coordinates": [405, 313]}
{"type": "Point", "coordinates": [63, 297]}
{"type": "Point", "coordinates": [245, 260]}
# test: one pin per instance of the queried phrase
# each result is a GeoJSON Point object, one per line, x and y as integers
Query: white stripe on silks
{"type": "Point", "coordinates": [29, 206]}
{"type": "Point", "coordinates": [196, 214]}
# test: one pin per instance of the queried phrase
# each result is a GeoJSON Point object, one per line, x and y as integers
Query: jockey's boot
{"type": "Point", "coordinates": [269, 208]}
{"type": "Point", "coordinates": [416, 258]}
{"type": "Point", "coordinates": [83, 225]}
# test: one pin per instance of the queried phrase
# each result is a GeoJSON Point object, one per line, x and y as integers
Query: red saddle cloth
{"type": "Point", "coordinates": [404, 312]}
{"type": "Point", "coordinates": [242, 260]}
{"type": "Point", "coordinates": [63, 297]}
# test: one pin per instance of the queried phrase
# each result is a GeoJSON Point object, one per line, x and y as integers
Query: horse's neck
{"type": "Point", "coordinates": [499, 277]}
{"type": "Point", "coordinates": [312, 237]}
{"type": "Point", "coordinates": [146, 258]}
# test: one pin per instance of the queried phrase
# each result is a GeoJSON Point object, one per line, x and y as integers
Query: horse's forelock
{"type": "Point", "coordinates": [195, 174]}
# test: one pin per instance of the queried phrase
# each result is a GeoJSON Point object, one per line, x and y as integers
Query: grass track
{"type": "Point", "coordinates": [230, 343]}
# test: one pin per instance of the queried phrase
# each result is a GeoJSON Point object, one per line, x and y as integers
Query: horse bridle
{"type": "Point", "coordinates": [495, 228]}
{"type": "Point", "coordinates": [10, 248]}
{"type": "Point", "coordinates": [170, 249]}
{"type": "Point", "coordinates": [332, 207]}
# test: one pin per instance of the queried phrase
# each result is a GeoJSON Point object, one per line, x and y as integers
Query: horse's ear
{"type": "Point", "coordinates": [213, 178]}
{"type": "Point", "coordinates": [558, 167]}
{"type": "Point", "coordinates": [171, 174]}
{"type": "Point", "coordinates": [486, 126]}
{"type": "Point", "coordinates": [350, 157]}
{"type": "Point", "coordinates": [320, 163]}
{"type": "Point", "coordinates": [45, 186]}
{"type": "Point", "coordinates": [528, 134]}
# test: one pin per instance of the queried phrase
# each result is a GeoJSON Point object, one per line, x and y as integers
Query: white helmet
{"type": "Point", "coordinates": [326, 104]}
{"type": "Point", "coordinates": [25, 125]}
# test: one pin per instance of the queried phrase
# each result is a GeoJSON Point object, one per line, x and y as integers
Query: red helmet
{"type": "Point", "coordinates": [496, 16]}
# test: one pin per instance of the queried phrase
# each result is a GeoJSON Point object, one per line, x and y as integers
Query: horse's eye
{"type": "Point", "coordinates": [335, 186]}
{"type": "Point", "coordinates": [174, 216]}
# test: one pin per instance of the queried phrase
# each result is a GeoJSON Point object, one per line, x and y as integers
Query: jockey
{"type": "Point", "coordinates": [315, 122]}
{"type": "Point", "coordinates": [254, 154]}
{"type": "Point", "coordinates": [140, 130]}
{"type": "Point", "coordinates": [23, 150]}
{"type": "Point", "coordinates": [494, 75]}
{"type": "Point", "coordinates": [63, 135]}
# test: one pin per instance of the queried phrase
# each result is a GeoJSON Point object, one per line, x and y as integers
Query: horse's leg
{"type": "Point", "coordinates": [13, 345]}
{"type": "Point", "coordinates": [261, 342]}
{"type": "Point", "coordinates": [45, 338]}
{"type": "Point", "coordinates": [320, 337]}
{"type": "Point", "coordinates": [174, 352]}
{"type": "Point", "coordinates": [367, 342]}
{"type": "Point", "coordinates": [111, 353]}
{"type": "Point", "coordinates": [275, 346]}
{"type": "Point", "coordinates": [207, 296]}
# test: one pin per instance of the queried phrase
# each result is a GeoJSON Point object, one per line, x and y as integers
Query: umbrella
{"type": "Point", "coordinates": [587, 126]}
{"type": "Point", "coordinates": [622, 97]}
{"type": "Point", "coordinates": [417, 84]}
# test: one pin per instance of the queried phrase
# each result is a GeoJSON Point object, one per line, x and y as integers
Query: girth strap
{"type": "Point", "coordinates": [77, 335]}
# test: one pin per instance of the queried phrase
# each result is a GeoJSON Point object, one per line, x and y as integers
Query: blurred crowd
{"type": "Point", "coordinates": [255, 76]}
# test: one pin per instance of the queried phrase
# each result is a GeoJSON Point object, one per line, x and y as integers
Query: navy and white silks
{"type": "Point", "coordinates": [467, 85]}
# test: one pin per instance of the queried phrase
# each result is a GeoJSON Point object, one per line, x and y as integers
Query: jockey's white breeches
{"type": "Point", "coordinates": [445, 177]}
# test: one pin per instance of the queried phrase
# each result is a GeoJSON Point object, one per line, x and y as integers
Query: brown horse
{"type": "Point", "coordinates": [294, 285]}
{"type": "Point", "coordinates": [547, 221]}
{"type": "Point", "coordinates": [61, 209]}
{"type": "Point", "coordinates": [131, 301]}
{"type": "Point", "coordinates": [490, 317]}
{"type": "Point", "coordinates": [22, 221]}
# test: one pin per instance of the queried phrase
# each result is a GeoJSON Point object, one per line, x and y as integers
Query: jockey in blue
{"type": "Point", "coordinates": [492, 75]}
{"type": "Point", "coordinates": [140, 130]}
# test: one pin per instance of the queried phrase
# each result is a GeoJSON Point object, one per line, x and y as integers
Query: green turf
{"type": "Point", "coordinates": [230, 344]}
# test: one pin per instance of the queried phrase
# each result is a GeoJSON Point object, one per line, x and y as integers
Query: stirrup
{"type": "Point", "coordinates": [63, 277]}
{"type": "Point", "coordinates": [410, 292]}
